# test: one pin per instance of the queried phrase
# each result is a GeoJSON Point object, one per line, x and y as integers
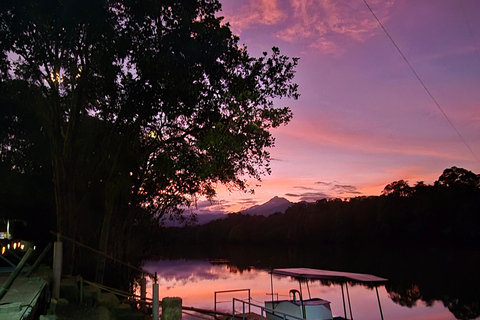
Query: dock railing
{"type": "Point", "coordinates": [263, 311]}
{"type": "Point", "coordinates": [215, 301]}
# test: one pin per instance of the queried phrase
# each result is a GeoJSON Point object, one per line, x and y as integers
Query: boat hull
{"type": "Point", "coordinates": [312, 309]}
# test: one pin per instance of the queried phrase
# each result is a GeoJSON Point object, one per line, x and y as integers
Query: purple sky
{"type": "Point", "coordinates": [363, 119]}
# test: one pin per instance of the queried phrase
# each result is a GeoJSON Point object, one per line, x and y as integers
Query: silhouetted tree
{"type": "Point", "coordinates": [399, 188]}
{"type": "Point", "coordinates": [458, 176]}
{"type": "Point", "coordinates": [168, 83]}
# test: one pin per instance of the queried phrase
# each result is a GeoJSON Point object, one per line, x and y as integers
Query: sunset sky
{"type": "Point", "coordinates": [363, 119]}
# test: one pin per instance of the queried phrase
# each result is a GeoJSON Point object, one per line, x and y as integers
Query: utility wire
{"type": "Point", "coordinates": [420, 80]}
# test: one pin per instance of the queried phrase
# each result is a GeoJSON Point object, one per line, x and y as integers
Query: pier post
{"type": "Point", "coordinates": [155, 299]}
{"type": "Point", "coordinates": [57, 268]}
{"type": "Point", "coordinates": [171, 309]}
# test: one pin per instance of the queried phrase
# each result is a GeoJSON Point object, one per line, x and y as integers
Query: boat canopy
{"type": "Point", "coordinates": [307, 273]}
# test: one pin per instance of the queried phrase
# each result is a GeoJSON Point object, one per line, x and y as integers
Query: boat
{"type": "Point", "coordinates": [296, 307]}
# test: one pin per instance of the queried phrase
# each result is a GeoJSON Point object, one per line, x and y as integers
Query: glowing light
{"type": "Point", "coordinates": [14, 245]}
{"type": "Point", "coordinates": [22, 247]}
{"type": "Point", "coordinates": [79, 73]}
{"type": "Point", "coordinates": [56, 77]}
{"type": "Point", "coordinates": [3, 250]}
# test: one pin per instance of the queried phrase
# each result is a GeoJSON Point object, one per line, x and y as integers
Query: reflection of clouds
{"type": "Point", "coordinates": [326, 24]}
{"type": "Point", "coordinates": [181, 272]}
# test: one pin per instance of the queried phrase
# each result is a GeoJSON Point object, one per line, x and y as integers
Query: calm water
{"type": "Point", "coordinates": [195, 281]}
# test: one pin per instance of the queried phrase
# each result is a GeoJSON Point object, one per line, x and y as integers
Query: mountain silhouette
{"type": "Point", "coordinates": [274, 205]}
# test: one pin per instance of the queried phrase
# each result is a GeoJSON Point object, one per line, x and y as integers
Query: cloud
{"type": "Point", "coordinates": [322, 190]}
{"type": "Point", "coordinates": [344, 134]}
{"type": "Point", "coordinates": [256, 12]}
{"type": "Point", "coordinates": [248, 202]}
{"type": "Point", "coordinates": [322, 183]}
{"type": "Point", "coordinates": [308, 196]}
{"type": "Point", "coordinates": [327, 25]}
{"type": "Point", "coordinates": [345, 189]}
{"type": "Point", "coordinates": [303, 188]}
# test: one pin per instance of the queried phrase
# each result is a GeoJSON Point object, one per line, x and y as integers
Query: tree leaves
{"type": "Point", "coordinates": [165, 81]}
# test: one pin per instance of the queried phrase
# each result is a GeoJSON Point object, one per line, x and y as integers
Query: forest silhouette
{"type": "Point", "coordinates": [442, 214]}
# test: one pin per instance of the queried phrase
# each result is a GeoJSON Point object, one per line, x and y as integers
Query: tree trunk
{"type": "Point", "coordinates": [105, 231]}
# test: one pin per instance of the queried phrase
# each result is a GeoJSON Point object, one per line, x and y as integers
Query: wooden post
{"type": "Point", "coordinates": [57, 268]}
{"type": "Point", "coordinates": [81, 289]}
{"type": "Point", "coordinates": [39, 259]}
{"type": "Point", "coordinates": [155, 302]}
{"type": "Point", "coordinates": [172, 309]}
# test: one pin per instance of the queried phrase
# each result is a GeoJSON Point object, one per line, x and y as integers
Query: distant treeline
{"type": "Point", "coordinates": [445, 213]}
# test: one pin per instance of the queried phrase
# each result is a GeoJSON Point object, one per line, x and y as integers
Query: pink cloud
{"type": "Point", "coordinates": [341, 133]}
{"type": "Point", "coordinates": [255, 12]}
{"type": "Point", "coordinates": [329, 24]}
{"type": "Point", "coordinates": [326, 25]}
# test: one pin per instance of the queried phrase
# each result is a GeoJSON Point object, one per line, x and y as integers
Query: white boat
{"type": "Point", "coordinates": [296, 307]}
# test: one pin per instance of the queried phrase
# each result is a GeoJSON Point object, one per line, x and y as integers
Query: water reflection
{"type": "Point", "coordinates": [195, 281]}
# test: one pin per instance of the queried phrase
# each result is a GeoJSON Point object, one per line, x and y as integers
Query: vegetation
{"type": "Point", "coordinates": [126, 111]}
{"type": "Point", "coordinates": [445, 213]}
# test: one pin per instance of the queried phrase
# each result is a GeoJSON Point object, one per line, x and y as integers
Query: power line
{"type": "Point", "coordinates": [420, 80]}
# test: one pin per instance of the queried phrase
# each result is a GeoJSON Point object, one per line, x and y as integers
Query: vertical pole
{"type": "Point", "coordinates": [81, 290]}
{"type": "Point", "coordinates": [379, 305]}
{"type": "Point", "coordinates": [344, 306]}
{"type": "Point", "coordinates": [271, 284]}
{"type": "Point", "coordinates": [143, 294]}
{"type": "Point", "coordinates": [243, 310]}
{"type": "Point", "coordinates": [304, 314]}
{"type": "Point", "coordinates": [349, 305]}
{"type": "Point", "coordinates": [249, 302]}
{"type": "Point", "coordinates": [39, 259]}
{"type": "Point", "coordinates": [57, 268]}
{"type": "Point", "coordinates": [155, 299]}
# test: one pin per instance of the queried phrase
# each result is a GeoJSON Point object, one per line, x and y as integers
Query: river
{"type": "Point", "coordinates": [442, 293]}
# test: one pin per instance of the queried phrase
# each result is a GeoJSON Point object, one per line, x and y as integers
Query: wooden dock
{"type": "Point", "coordinates": [244, 316]}
{"type": "Point", "coordinates": [23, 298]}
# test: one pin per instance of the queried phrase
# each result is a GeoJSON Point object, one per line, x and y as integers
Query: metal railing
{"type": "Point", "coordinates": [263, 311]}
{"type": "Point", "coordinates": [230, 291]}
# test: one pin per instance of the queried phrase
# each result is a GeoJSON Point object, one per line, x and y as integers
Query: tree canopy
{"type": "Point", "coordinates": [138, 105]}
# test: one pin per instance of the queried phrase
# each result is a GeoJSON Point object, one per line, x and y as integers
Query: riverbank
{"type": "Point", "coordinates": [78, 301]}
{"type": "Point", "coordinates": [76, 311]}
